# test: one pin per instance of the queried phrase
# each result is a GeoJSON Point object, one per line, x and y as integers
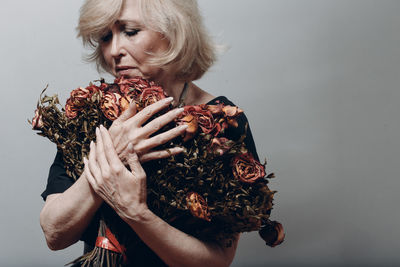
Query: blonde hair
{"type": "Point", "coordinates": [191, 50]}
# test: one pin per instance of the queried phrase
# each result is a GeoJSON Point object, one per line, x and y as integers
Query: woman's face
{"type": "Point", "coordinates": [126, 46]}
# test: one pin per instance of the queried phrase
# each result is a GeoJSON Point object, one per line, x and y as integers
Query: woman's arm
{"type": "Point", "coordinates": [125, 192]}
{"type": "Point", "coordinates": [177, 248]}
{"type": "Point", "coordinates": [65, 216]}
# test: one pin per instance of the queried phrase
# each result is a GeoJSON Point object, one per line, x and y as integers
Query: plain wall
{"type": "Point", "coordinates": [318, 80]}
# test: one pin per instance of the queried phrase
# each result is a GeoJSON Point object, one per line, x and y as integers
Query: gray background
{"type": "Point", "coordinates": [318, 80]}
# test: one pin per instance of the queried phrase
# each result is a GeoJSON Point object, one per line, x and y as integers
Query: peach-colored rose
{"type": "Point", "coordinates": [192, 128]}
{"type": "Point", "coordinates": [215, 109]}
{"type": "Point", "coordinates": [198, 206]}
{"type": "Point", "coordinates": [272, 233]}
{"type": "Point", "coordinates": [247, 169]}
{"type": "Point", "coordinates": [220, 145]}
{"type": "Point", "coordinates": [231, 113]}
{"type": "Point", "coordinates": [37, 121]}
{"type": "Point", "coordinates": [110, 105]}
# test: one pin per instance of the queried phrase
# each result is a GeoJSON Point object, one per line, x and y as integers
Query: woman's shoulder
{"type": "Point", "coordinates": [243, 127]}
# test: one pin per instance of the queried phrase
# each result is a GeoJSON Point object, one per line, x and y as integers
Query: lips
{"type": "Point", "coordinates": [123, 70]}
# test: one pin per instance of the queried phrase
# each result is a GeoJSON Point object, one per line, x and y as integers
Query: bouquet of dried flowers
{"type": "Point", "coordinates": [216, 181]}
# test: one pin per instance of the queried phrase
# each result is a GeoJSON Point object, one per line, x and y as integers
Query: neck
{"type": "Point", "coordinates": [174, 89]}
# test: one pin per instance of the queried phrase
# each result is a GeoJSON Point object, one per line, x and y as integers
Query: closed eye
{"type": "Point", "coordinates": [131, 32]}
{"type": "Point", "coordinates": [106, 37]}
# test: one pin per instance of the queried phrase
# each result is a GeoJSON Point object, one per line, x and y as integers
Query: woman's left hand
{"type": "Point", "coordinates": [125, 191]}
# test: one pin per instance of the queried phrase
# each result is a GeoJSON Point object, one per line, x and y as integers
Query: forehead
{"type": "Point", "coordinates": [130, 11]}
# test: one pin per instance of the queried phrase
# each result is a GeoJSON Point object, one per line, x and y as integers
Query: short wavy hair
{"type": "Point", "coordinates": [191, 49]}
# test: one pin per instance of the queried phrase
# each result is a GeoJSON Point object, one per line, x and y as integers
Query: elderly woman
{"type": "Point", "coordinates": [163, 41]}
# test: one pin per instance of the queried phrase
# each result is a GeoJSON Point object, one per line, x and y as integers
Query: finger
{"type": "Point", "coordinates": [161, 121]}
{"type": "Point", "coordinates": [134, 164]}
{"type": "Point", "coordinates": [92, 162]}
{"type": "Point", "coordinates": [161, 138]}
{"type": "Point", "coordinates": [110, 153]}
{"type": "Point", "coordinates": [129, 113]}
{"type": "Point", "coordinates": [101, 157]}
{"type": "Point", "coordinates": [161, 154]}
{"type": "Point", "coordinates": [145, 114]}
{"type": "Point", "coordinates": [92, 181]}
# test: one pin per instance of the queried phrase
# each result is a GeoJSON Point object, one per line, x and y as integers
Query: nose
{"type": "Point", "coordinates": [116, 48]}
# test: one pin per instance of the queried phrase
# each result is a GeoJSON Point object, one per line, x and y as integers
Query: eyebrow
{"type": "Point", "coordinates": [129, 21]}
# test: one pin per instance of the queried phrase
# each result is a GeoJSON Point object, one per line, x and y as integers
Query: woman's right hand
{"type": "Point", "coordinates": [128, 128]}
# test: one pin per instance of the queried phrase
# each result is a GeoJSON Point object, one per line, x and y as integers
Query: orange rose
{"type": "Point", "coordinates": [272, 233]}
{"type": "Point", "coordinates": [198, 206]}
{"type": "Point", "coordinates": [110, 105]}
{"type": "Point", "coordinates": [37, 122]}
{"type": "Point", "coordinates": [247, 169]}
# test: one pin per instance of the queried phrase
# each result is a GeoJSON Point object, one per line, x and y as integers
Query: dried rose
{"type": "Point", "coordinates": [203, 116]}
{"type": "Point", "coordinates": [80, 95]}
{"type": "Point", "coordinates": [247, 169]}
{"type": "Point", "coordinates": [151, 95]}
{"type": "Point", "coordinates": [215, 109]}
{"type": "Point", "coordinates": [130, 85]}
{"type": "Point", "coordinates": [37, 121]}
{"type": "Point", "coordinates": [272, 233]}
{"type": "Point", "coordinates": [198, 206]}
{"type": "Point", "coordinates": [231, 113]}
{"type": "Point", "coordinates": [110, 105]}
{"type": "Point", "coordinates": [71, 111]}
{"type": "Point", "coordinates": [192, 128]}
{"type": "Point", "coordinates": [124, 103]}
{"type": "Point", "coordinates": [220, 145]}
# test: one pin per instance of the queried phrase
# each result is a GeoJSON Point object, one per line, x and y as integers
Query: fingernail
{"type": "Point", "coordinates": [184, 126]}
{"type": "Point", "coordinates": [97, 130]}
{"type": "Point", "coordinates": [169, 99]}
{"type": "Point", "coordinates": [91, 143]}
{"type": "Point", "coordinates": [179, 110]}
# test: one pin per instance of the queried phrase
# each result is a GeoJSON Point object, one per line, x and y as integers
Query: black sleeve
{"type": "Point", "coordinates": [243, 127]}
{"type": "Point", "coordinates": [58, 180]}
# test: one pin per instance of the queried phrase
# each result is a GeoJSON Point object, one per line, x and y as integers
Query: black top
{"type": "Point", "coordinates": [58, 181]}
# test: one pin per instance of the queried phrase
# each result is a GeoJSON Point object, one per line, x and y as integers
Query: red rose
{"type": "Point", "coordinates": [220, 145]}
{"type": "Point", "coordinates": [80, 95]}
{"type": "Point", "coordinates": [151, 95]}
{"type": "Point", "coordinates": [110, 105]}
{"type": "Point", "coordinates": [203, 116]}
{"type": "Point", "coordinates": [133, 84]}
{"type": "Point", "coordinates": [37, 122]}
{"type": "Point", "coordinates": [247, 169]}
{"type": "Point", "coordinates": [78, 100]}
{"type": "Point", "coordinates": [272, 233]}
{"type": "Point", "coordinates": [198, 206]}
{"type": "Point", "coordinates": [71, 111]}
